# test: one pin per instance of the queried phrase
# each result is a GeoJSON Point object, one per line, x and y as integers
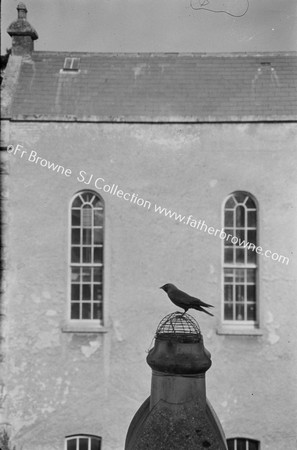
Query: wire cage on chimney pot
{"type": "Point", "coordinates": [180, 326]}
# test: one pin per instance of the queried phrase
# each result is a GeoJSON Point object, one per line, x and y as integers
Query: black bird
{"type": "Point", "coordinates": [183, 300]}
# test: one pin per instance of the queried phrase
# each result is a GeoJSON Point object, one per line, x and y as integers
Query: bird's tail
{"type": "Point", "coordinates": [199, 308]}
{"type": "Point", "coordinates": [206, 305]}
{"type": "Point", "coordinates": [207, 312]}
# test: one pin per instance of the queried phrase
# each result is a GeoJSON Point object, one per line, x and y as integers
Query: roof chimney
{"type": "Point", "coordinates": [22, 33]}
{"type": "Point", "coordinates": [177, 415]}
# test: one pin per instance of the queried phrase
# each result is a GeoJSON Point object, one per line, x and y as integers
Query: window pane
{"type": "Point", "coordinates": [239, 275]}
{"type": "Point", "coordinates": [98, 254]}
{"type": "Point", "coordinates": [228, 255]}
{"type": "Point", "coordinates": [98, 217]}
{"type": "Point", "coordinates": [228, 291]}
{"type": "Point", "coordinates": [250, 203]}
{"type": "Point", "coordinates": [251, 293]}
{"type": "Point", "coordinates": [75, 254]}
{"type": "Point", "coordinates": [240, 216]}
{"type": "Point", "coordinates": [239, 293]}
{"type": "Point", "coordinates": [241, 444]}
{"type": "Point", "coordinates": [97, 313]}
{"type": "Point", "coordinates": [252, 218]}
{"type": "Point", "coordinates": [97, 273]}
{"type": "Point", "coordinates": [253, 445]}
{"type": "Point", "coordinates": [239, 311]}
{"type": "Point", "coordinates": [230, 203]}
{"type": "Point", "coordinates": [229, 275]}
{"type": "Point", "coordinates": [252, 256]}
{"type": "Point", "coordinates": [75, 292]}
{"type": "Point", "coordinates": [230, 443]}
{"type": "Point", "coordinates": [251, 275]}
{"type": "Point", "coordinates": [83, 443]}
{"type": "Point", "coordinates": [97, 291]}
{"type": "Point", "coordinates": [86, 292]}
{"type": "Point", "coordinates": [95, 444]}
{"type": "Point", "coordinates": [86, 310]}
{"type": "Point", "coordinates": [87, 196]}
{"type": "Point", "coordinates": [75, 217]}
{"type": "Point", "coordinates": [228, 309]}
{"type": "Point", "coordinates": [228, 218]}
{"type": "Point", "coordinates": [231, 232]}
{"type": "Point", "coordinates": [240, 197]}
{"type": "Point", "coordinates": [87, 254]}
{"type": "Point", "coordinates": [240, 235]}
{"type": "Point", "coordinates": [240, 255]}
{"type": "Point", "coordinates": [86, 273]}
{"type": "Point", "coordinates": [74, 310]}
{"type": "Point", "coordinates": [87, 216]}
{"type": "Point", "coordinates": [252, 235]}
{"type": "Point", "coordinates": [97, 202]}
{"type": "Point", "coordinates": [75, 274]}
{"type": "Point", "coordinates": [87, 236]}
{"type": "Point", "coordinates": [75, 236]}
{"type": "Point", "coordinates": [251, 312]}
{"type": "Point", "coordinates": [77, 202]}
{"type": "Point", "coordinates": [98, 235]}
{"type": "Point", "coordinates": [71, 444]}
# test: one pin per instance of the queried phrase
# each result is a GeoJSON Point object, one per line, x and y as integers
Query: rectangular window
{"type": "Point", "coordinates": [71, 64]}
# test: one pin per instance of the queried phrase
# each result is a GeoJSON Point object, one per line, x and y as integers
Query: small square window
{"type": "Point", "coordinates": [71, 64]}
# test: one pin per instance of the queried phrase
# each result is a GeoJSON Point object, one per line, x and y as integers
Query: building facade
{"type": "Point", "coordinates": [123, 172]}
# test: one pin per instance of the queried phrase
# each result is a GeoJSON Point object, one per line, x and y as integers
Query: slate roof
{"type": "Point", "coordinates": [151, 87]}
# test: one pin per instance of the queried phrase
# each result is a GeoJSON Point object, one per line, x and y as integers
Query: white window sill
{"type": "Point", "coordinates": [78, 327]}
{"type": "Point", "coordinates": [239, 330]}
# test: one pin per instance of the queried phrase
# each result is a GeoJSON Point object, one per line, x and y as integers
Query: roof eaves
{"type": "Point", "coordinates": [169, 54]}
{"type": "Point", "coordinates": [154, 119]}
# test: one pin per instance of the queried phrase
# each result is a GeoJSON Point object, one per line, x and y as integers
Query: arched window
{"type": "Point", "coordinates": [240, 259]}
{"type": "Point", "coordinates": [243, 444]}
{"type": "Point", "coordinates": [83, 442]}
{"type": "Point", "coordinates": [86, 257]}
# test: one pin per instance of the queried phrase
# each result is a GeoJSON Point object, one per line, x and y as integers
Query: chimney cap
{"type": "Point", "coordinates": [21, 27]}
{"type": "Point", "coordinates": [179, 326]}
{"type": "Point", "coordinates": [179, 348]}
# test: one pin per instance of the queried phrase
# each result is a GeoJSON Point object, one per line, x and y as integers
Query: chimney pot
{"type": "Point", "coordinates": [22, 11]}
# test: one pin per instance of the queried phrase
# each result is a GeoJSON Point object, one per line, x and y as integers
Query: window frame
{"type": "Point", "coordinates": [82, 435]}
{"type": "Point", "coordinates": [84, 325]}
{"type": "Point", "coordinates": [240, 327]}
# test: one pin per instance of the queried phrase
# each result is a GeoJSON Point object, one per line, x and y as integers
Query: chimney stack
{"type": "Point", "coordinates": [22, 33]}
{"type": "Point", "coordinates": [177, 415]}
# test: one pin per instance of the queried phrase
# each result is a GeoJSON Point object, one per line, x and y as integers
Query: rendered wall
{"type": "Point", "coordinates": [60, 383]}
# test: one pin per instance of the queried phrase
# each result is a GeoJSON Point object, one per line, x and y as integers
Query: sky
{"type": "Point", "coordinates": [158, 25]}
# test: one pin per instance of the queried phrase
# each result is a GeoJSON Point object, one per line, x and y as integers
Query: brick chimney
{"type": "Point", "coordinates": [177, 415]}
{"type": "Point", "coordinates": [22, 33]}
